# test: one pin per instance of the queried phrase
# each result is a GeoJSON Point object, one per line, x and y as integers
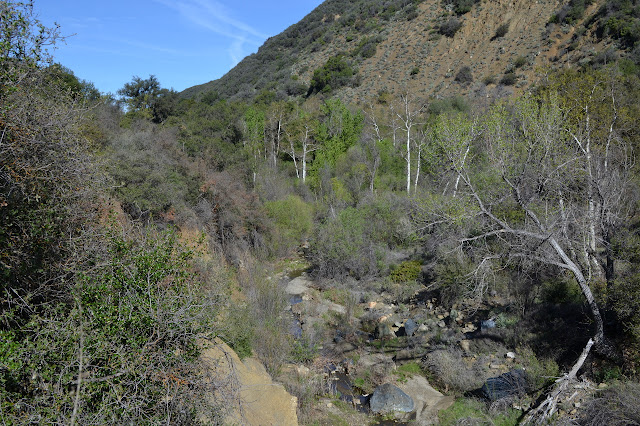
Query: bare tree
{"type": "Point", "coordinates": [408, 114]}
{"type": "Point", "coordinates": [525, 188]}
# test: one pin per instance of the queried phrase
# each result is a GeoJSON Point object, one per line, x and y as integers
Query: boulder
{"type": "Point", "coordinates": [511, 383]}
{"type": "Point", "coordinates": [427, 401]}
{"type": "Point", "coordinates": [298, 286]}
{"type": "Point", "coordinates": [389, 398]}
{"type": "Point", "coordinates": [410, 327]}
{"type": "Point", "coordinates": [254, 399]}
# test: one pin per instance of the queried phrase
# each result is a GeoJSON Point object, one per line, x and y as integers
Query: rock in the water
{"type": "Point", "coordinates": [508, 384]}
{"type": "Point", "coordinates": [389, 398]}
{"type": "Point", "coordinates": [410, 327]}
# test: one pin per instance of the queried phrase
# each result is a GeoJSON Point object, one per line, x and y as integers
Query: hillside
{"type": "Point", "coordinates": [431, 48]}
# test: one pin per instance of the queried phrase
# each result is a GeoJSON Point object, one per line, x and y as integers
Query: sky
{"type": "Point", "coordinates": [182, 42]}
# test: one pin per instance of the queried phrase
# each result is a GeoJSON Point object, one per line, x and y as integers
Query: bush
{"type": "Point", "coordinates": [450, 369]}
{"type": "Point", "coordinates": [616, 406]}
{"type": "Point", "coordinates": [293, 222]}
{"type": "Point", "coordinates": [464, 75]}
{"type": "Point", "coordinates": [406, 271]}
{"type": "Point", "coordinates": [520, 62]}
{"type": "Point", "coordinates": [501, 31]}
{"type": "Point", "coordinates": [335, 73]}
{"type": "Point", "coordinates": [509, 79]}
{"type": "Point", "coordinates": [450, 28]}
{"type": "Point", "coordinates": [460, 6]}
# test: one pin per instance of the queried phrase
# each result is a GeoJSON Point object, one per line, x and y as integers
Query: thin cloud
{"type": "Point", "coordinates": [213, 16]}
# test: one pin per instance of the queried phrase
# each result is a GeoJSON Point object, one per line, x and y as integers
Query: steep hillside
{"type": "Point", "coordinates": [432, 48]}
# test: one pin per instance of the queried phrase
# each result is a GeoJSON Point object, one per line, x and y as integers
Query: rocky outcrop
{"type": "Point", "coordinates": [255, 399]}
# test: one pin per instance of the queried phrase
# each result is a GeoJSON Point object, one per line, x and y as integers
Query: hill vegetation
{"type": "Point", "coordinates": [128, 236]}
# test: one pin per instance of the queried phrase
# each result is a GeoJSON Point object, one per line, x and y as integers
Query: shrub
{"type": "Point", "coordinates": [450, 28]}
{"type": "Point", "coordinates": [415, 70]}
{"type": "Point", "coordinates": [406, 271]}
{"type": "Point", "coordinates": [335, 73]}
{"type": "Point", "coordinates": [501, 31]}
{"type": "Point", "coordinates": [450, 369]}
{"type": "Point", "coordinates": [520, 62]}
{"type": "Point", "coordinates": [615, 406]}
{"type": "Point", "coordinates": [460, 6]}
{"type": "Point", "coordinates": [293, 222]}
{"type": "Point", "coordinates": [539, 372]}
{"type": "Point", "coordinates": [509, 79]}
{"type": "Point", "coordinates": [464, 75]}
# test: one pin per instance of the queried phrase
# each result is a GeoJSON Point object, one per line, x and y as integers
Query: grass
{"type": "Point", "coordinates": [407, 370]}
{"type": "Point", "coordinates": [466, 408]}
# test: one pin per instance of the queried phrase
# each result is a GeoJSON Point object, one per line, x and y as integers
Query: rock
{"type": "Point", "coordinates": [510, 355]}
{"type": "Point", "coordinates": [389, 398]}
{"type": "Point", "coordinates": [465, 345]}
{"type": "Point", "coordinates": [423, 328]}
{"type": "Point", "coordinates": [384, 331]}
{"type": "Point", "coordinates": [298, 286]}
{"type": "Point", "coordinates": [440, 317]}
{"type": "Point", "coordinates": [410, 327]}
{"type": "Point", "coordinates": [257, 400]}
{"type": "Point", "coordinates": [427, 401]}
{"type": "Point", "coordinates": [512, 383]}
{"type": "Point", "coordinates": [441, 324]}
{"type": "Point", "coordinates": [496, 366]}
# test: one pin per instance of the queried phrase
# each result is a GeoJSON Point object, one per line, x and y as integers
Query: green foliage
{"type": "Point", "coordinates": [353, 242]}
{"type": "Point", "coordinates": [293, 220]}
{"type": "Point", "coordinates": [128, 327]}
{"type": "Point", "coordinates": [408, 270]}
{"type": "Point", "coordinates": [145, 98]}
{"type": "Point", "coordinates": [334, 74]}
{"type": "Point", "coordinates": [473, 411]}
{"type": "Point", "coordinates": [304, 350]}
{"type": "Point", "coordinates": [339, 131]}
{"type": "Point", "coordinates": [367, 47]}
{"type": "Point", "coordinates": [539, 372]}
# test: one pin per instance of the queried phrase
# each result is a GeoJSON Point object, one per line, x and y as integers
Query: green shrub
{"type": "Point", "coordinates": [335, 73]}
{"type": "Point", "coordinates": [406, 271]}
{"type": "Point", "coordinates": [293, 220]}
{"type": "Point", "coordinates": [539, 372]}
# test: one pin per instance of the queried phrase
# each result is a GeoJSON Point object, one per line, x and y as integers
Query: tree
{"type": "Point", "coordinates": [524, 198]}
{"type": "Point", "coordinates": [301, 133]}
{"type": "Point", "coordinates": [147, 98]}
{"type": "Point", "coordinates": [408, 114]}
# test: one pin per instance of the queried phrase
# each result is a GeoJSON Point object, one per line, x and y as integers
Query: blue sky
{"type": "Point", "coordinates": [181, 42]}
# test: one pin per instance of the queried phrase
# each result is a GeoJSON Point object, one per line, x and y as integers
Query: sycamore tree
{"type": "Point", "coordinates": [527, 183]}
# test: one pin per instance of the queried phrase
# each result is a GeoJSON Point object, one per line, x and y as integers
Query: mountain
{"type": "Point", "coordinates": [361, 50]}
